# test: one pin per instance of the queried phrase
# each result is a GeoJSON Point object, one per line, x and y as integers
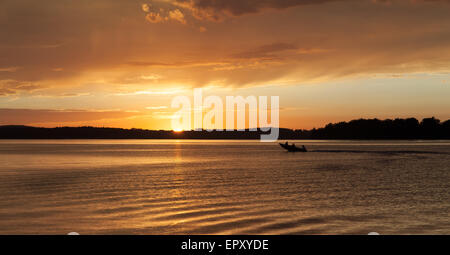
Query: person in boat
{"type": "Point", "coordinates": [303, 147]}
{"type": "Point", "coordinates": [286, 143]}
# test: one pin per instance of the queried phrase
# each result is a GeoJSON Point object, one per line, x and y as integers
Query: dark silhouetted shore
{"type": "Point", "coordinates": [411, 128]}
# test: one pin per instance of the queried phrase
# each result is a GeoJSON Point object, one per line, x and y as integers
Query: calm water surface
{"type": "Point", "coordinates": [223, 187]}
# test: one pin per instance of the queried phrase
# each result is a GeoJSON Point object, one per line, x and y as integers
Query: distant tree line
{"type": "Point", "coordinates": [411, 128]}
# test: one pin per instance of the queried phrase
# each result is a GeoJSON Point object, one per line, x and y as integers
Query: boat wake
{"type": "Point", "coordinates": [383, 152]}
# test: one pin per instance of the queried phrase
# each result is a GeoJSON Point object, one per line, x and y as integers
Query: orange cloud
{"type": "Point", "coordinates": [214, 10]}
{"type": "Point", "coordinates": [153, 17]}
{"type": "Point", "coordinates": [159, 15]}
{"type": "Point", "coordinates": [177, 15]}
{"type": "Point", "coordinates": [13, 87]}
{"type": "Point", "coordinates": [30, 116]}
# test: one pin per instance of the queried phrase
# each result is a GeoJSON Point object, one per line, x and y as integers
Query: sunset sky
{"type": "Point", "coordinates": [119, 63]}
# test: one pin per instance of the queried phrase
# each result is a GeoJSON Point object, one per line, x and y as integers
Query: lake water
{"type": "Point", "coordinates": [223, 187]}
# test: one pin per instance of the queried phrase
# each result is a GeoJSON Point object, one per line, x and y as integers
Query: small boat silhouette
{"type": "Point", "coordinates": [293, 148]}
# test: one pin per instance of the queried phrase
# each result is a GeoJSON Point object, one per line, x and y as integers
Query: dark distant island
{"type": "Point", "coordinates": [410, 128]}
